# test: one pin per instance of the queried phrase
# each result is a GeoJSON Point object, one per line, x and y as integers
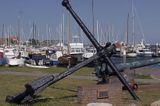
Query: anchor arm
{"type": "Point", "coordinates": [102, 52]}
{"type": "Point", "coordinates": [121, 78]}
{"type": "Point", "coordinates": [38, 85]}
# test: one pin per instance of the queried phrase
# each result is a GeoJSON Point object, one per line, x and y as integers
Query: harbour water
{"type": "Point", "coordinates": [117, 60]}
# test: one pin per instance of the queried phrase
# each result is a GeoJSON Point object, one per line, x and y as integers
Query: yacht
{"type": "Point", "coordinates": [144, 52]}
{"type": "Point", "coordinates": [76, 50]}
{"type": "Point", "coordinates": [89, 53]}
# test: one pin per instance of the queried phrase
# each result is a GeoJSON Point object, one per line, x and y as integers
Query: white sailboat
{"type": "Point", "coordinates": [13, 57]}
{"type": "Point", "coordinates": [16, 61]}
{"type": "Point", "coordinates": [13, 54]}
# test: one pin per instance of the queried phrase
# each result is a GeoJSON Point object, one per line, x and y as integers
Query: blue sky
{"type": "Point", "coordinates": [107, 12]}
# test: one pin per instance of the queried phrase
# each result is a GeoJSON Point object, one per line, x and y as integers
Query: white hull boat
{"type": "Point", "coordinates": [131, 55]}
{"type": "Point", "coordinates": [144, 52]}
{"type": "Point", "coordinates": [15, 61]}
{"type": "Point", "coordinates": [9, 53]}
{"type": "Point", "coordinates": [34, 66]}
{"type": "Point", "coordinates": [87, 55]}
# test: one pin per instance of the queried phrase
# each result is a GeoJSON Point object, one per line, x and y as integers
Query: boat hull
{"type": "Point", "coordinates": [34, 66]}
{"type": "Point", "coordinates": [16, 62]}
{"type": "Point", "coordinates": [67, 59]}
{"type": "Point", "coordinates": [3, 61]}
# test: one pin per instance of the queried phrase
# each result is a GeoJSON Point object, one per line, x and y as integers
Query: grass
{"type": "Point", "coordinates": [147, 95]}
{"type": "Point", "coordinates": [138, 76]}
{"type": "Point", "coordinates": [28, 69]}
{"type": "Point", "coordinates": [11, 85]}
{"type": "Point", "coordinates": [84, 71]}
{"type": "Point", "coordinates": [63, 93]}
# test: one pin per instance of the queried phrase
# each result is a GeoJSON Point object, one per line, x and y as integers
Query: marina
{"type": "Point", "coordinates": [52, 57]}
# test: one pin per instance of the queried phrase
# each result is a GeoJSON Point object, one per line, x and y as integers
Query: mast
{"type": "Point", "coordinates": [3, 40]}
{"type": "Point", "coordinates": [133, 26]}
{"type": "Point", "coordinates": [79, 33]}
{"type": "Point", "coordinates": [34, 34]}
{"type": "Point", "coordinates": [93, 16]}
{"type": "Point", "coordinates": [18, 33]}
{"type": "Point", "coordinates": [47, 33]}
{"type": "Point", "coordinates": [50, 39]}
{"type": "Point", "coordinates": [127, 28]}
{"type": "Point", "coordinates": [108, 33]}
{"type": "Point", "coordinates": [98, 31]}
{"type": "Point", "coordinates": [63, 29]}
{"type": "Point", "coordinates": [101, 37]}
{"type": "Point", "coordinates": [112, 33]}
{"type": "Point", "coordinates": [69, 32]}
{"type": "Point", "coordinates": [61, 37]}
{"type": "Point", "coordinates": [33, 30]}
{"type": "Point", "coordinates": [9, 35]}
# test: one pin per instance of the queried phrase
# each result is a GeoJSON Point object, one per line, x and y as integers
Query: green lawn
{"type": "Point", "coordinates": [83, 71]}
{"type": "Point", "coordinates": [63, 93]}
{"type": "Point", "coordinates": [28, 69]}
{"type": "Point", "coordinates": [147, 96]}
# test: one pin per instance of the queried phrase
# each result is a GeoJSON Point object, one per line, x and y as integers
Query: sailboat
{"type": "Point", "coordinates": [16, 61]}
{"type": "Point", "coordinates": [13, 57]}
{"type": "Point", "coordinates": [130, 51]}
